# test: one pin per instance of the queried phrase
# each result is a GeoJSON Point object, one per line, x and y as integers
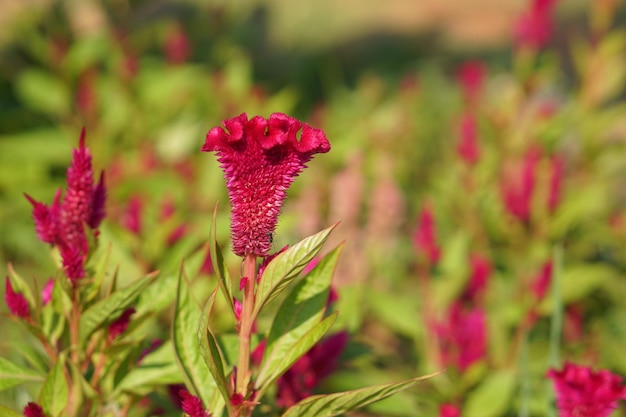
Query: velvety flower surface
{"type": "Point", "coordinates": [191, 405]}
{"type": "Point", "coordinates": [261, 158]}
{"type": "Point", "coordinates": [582, 392]}
{"type": "Point", "coordinates": [33, 410]}
{"type": "Point", "coordinates": [17, 303]}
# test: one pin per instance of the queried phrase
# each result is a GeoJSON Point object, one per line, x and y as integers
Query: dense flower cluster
{"type": "Point", "coordinates": [261, 158]}
{"type": "Point", "coordinates": [64, 222]}
{"type": "Point", "coordinates": [192, 406]}
{"type": "Point", "coordinates": [17, 303]}
{"type": "Point", "coordinates": [581, 392]}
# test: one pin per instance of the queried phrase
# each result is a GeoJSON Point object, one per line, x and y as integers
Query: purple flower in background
{"type": "Point", "coordinates": [17, 303]}
{"type": "Point", "coordinates": [581, 392]}
{"type": "Point", "coordinates": [192, 405]}
{"type": "Point", "coordinates": [260, 159]}
{"type": "Point", "coordinates": [33, 410]}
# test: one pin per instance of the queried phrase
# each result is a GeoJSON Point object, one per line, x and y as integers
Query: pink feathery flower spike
{"type": "Point", "coordinates": [424, 237]}
{"type": "Point", "coordinates": [191, 405]}
{"type": "Point", "coordinates": [581, 392]}
{"type": "Point", "coordinates": [17, 303]}
{"type": "Point", "coordinates": [518, 184]}
{"type": "Point", "coordinates": [260, 159]}
{"type": "Point", "coordinates": [449, 410]}
{"type": "Point", "coordinates": [534, 28]}
{"type": "Point", "coordinates": [462, 336]}
{"type": "Point", "coordinates": [33, 410]}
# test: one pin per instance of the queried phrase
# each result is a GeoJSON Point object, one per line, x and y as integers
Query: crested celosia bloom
{"type": "Point", "coordinates": [534, 27]}
{"type": "Point", "coordinates": [192, 405]}
{"type": "Point", "coordinates": [261, 158]}
{"type": "Point", "coordinates": [582, 392]}
{"type": "Point", "coordinates": [33, 410]}
{"type": "Point", "coordinates": [424, 237]}
{"type": "Point", "coordinates": [63, 223]}
{"type": "Point", "coordinates": [17, 303]}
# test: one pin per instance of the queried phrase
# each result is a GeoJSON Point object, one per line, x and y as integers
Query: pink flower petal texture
{"type": "Point", "coordinates": [581, 392]}
{"type": "Point", "coordinates": [18, 306]}
{"type": "Point", "coordinates": [33, 410]}
{"type": "Point", "coordinates": [260, 159]}
{"type": "Point", "coordinates": [191, 405]}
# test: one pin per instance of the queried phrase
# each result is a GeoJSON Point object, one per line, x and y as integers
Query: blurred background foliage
{"type": "Point", "coordinates": [148, 79]}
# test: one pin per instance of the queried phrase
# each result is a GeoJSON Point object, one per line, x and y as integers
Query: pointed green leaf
{"type": "Point", "coordinates": [21, 286]}
{"type": "Point", "coordinates": [341, 402]}
{"type": "Point", "coordinates": [7, 412]}
{"type": "Point", "coordinates": [218, 263]}
{"type": "Point", "coordinates": [55, 392]}
{"type": "Point", "coordinates": [12, 374]}
{"type": "Point", "coordinates": [492, 397]}
{"type": "Point", "coordinates": [285, 267]}
{"type": "Point", "coordinates": [186, 347]}
{"type": "Point", "coordinates": [277, 365]}
{"type": "Point", "coordinates": [300, 312]}
{"type": "Point", "coordinates": [111, 307]}
{"type": "Point", "coordinates": [210, 350]}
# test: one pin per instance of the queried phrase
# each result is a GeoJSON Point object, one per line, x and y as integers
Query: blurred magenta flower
{"type": "Point", "coordinates": [306, 374]}
{"type": "Point", "coordinates": [63, 223]}
{"type": "Point", "coordinates": [467, 145]}
{"type": "Point", "coordinates": [518, 184]}
{"type": "Point", "coordinates": [424, 236]}
{"type": "Point", "coordinates": [541, 282]}
{"type": "Point", "coordinates": [46, 293]}
{"type": "Point", "coordinates": [471, 77]}
{"type": "Point", "coordinates": [176, 45]}
{"type": "Point", "coordinates": [557, 166]}
{"type": "Point", "coordinates": [120, 324]}
{"type": "Point", "coordinates": [33, 410]}
{"type": "Point", "coordinates": [260, 159]}
{"type": "Point", "coordinates": [192, 405]}
{"type": "Point", "coordinates": [131, 218]}
{"type": "Point", "coordinates": [449, 410]}
{"type": "Point", "coordinates": [534, 27]}
{"type": "Point", "coordinates": [462, 336]}
{"type": "Point", "coordinates": [581, 392]}
{"type": "Point", "coordinates": [17, 303]}
{"type": "Point", "coordinates": [479, 278]}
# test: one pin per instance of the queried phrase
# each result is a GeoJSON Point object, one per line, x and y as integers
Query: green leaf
{"type": "Point", "coordinates": [284, 268]}
{"type": "Point", "coordinates": [186, 347]}
{"type": "Point", "coordinates": [218, 263]}
{"type": "Point", "coordinates": [158, 368]}
{"type": "Point", "coordinates": [341, 402]}
{"type": "Point", "coordinates": [111, 307]}
{"type": "Point", "coordinates": [210, 350]}
{"type": "Point", "coordinates": [492, 397]}
{"type": "Point", "coordinates": [275, 368]}
{"type": "Point", "coordinates": [41, 90]}
{"type": "Point", "coordinates": [7, 412]}
{"type": "Point", "coordinates": [20, 286]}
{"type": "Point", "coordinates": [301, 311]}
{"type": "Point", "coordinates": [12, 374]}
{"type": "Point", "coordinates": [55, 392]}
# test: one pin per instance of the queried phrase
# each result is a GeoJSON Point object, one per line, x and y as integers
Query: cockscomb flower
{"type": "Point", "coordinates": [17, 303]}
{"type": "Point", "coordinates": [424, 237]}
{"type": "Point", "coordinates": [581, 392]}
{"type": "Point", "coordinates": [192, 405]}
{"type": "Point", "coordinates": [260, 159]}
{"type": "Point", "coordinates": [33, 410]}
{"type": "Point", "coordinates": [63, 223]}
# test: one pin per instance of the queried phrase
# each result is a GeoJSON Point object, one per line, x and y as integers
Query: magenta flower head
{"type": "Point", "coordinates": [33, 410]}
{"type": "Point", "coordinates": [449, 410]}
{"type": "Point", "coordinates": [261, 158]}
{"type": "Point", "coordinates": [191, 405]}
{"type": "Point", "coordinates": [18, 306]}
{"type": "Point", "coordinates": [581, 392]}
{"type": "Point", "coordinates": [424, 236]}
{"type": "Point", "coordinates": [534, 28]}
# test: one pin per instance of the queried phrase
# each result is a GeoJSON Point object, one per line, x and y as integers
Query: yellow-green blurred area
{"type": "Point", "coordinates": [148, 79]}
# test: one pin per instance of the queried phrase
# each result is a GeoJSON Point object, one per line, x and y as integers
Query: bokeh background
{"type": "Point", "coordinates": [398, 86]}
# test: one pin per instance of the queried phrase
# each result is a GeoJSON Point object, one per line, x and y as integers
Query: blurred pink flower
{"type": "Point", "coordinates": [17, 303]}
{"type": "Point", "coordinates": [534, 27]}
{"type": "Point", "coordinates": [131, 218]}
{"type": "Point", "coordinates": [318, 363]}
{"type": "Point", "coordinates": [176, 45]}
{"type": "Point", "coordinates": [424, 236]}
{"type": "Point", "coordinates": [541, 283]}
{"type": "Point", "coordinates": [192, 405]}
{"type": "Point", "coordinates": [467, 145]}
{"type": "Point", "coordinates": [46, 293]}
{"type": "Point", "coordinates": [581, 392]}
{"type": "Point", "coordinates": [518, 184]}
{"type": "Point", "coordinates": [33, 410]}
{"type": "Point", "coordinates": [480, 272]}
{"type": "Point", "coordinates": [471, 76]}
{"type": "Point", "coordinates": [449, 410]}
{"type": "Point", "coordinates": [261, 158]}
{"type": "Point", "coordinates": [462, 336]}
{"type": "Point", "coordinates": [120, 324]}
{"type": "Point", "coordinates": [556, 181]}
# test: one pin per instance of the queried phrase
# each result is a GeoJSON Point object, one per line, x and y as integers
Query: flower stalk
{"type": "Point", "coordinates": [245, 330]}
